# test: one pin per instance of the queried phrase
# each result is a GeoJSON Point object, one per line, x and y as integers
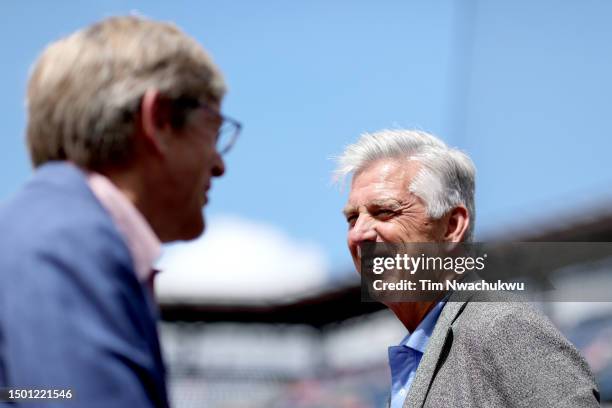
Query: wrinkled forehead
{"type": "Point", "coordinates": [385, 178]}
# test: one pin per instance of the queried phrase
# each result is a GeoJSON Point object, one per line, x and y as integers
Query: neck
{"type": "Point", "coordinates": [132, 185]}
{"type": "Point", "coordinates": [411, 314]}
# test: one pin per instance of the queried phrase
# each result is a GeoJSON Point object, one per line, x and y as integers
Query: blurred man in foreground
{"type": "Point", "coordinates": [407, 187]}
{"type": "Point", "coordinates": [125, 133]}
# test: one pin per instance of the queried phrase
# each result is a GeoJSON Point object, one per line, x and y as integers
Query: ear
{"type": "Point", "coordinates": [457, 225]}
{"type": "Point", "coordinates": [155, 120]}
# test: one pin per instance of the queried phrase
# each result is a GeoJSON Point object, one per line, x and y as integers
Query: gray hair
{"type": "Point", "coordinates": [445, 180]}
{"type": "Point", "coordinates": [85, 90]}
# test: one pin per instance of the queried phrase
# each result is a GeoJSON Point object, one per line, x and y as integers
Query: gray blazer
{"type": "Point", "coordinates": [500, 354]}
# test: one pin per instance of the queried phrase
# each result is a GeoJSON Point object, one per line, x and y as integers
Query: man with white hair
{"type": "Point", "coordinates": [125, 132]}
{"type": "Point", "coordinates": [410, 187]}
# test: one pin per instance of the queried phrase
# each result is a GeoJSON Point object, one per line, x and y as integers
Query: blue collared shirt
{"type": "Point", "coordinates": [405, 358]}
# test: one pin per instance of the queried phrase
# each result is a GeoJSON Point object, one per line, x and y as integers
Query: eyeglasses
{"type": "Point", "coordinates": [228, 132]}
{"type": "Point", "coordinates": [229, 128]}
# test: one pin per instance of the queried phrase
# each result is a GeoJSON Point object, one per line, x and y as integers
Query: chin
{"type": "Point", "coordinates": [193, 230]}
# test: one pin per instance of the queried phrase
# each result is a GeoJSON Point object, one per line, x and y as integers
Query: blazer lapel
{"type": "Point", "coordinates": [427, 366]}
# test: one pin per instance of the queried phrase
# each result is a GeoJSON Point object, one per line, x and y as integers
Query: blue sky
{"type": "Point", "coordinates": [524, 88]}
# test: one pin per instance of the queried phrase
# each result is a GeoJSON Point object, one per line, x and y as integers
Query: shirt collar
{"type": "Point", "coordinates": [418, 339]}
{"type": "Point", "coordinates": [143, 244]}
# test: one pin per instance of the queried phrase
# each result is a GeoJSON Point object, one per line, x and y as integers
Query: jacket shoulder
{"type": "Point", "coordinates": [55, 218]}
{"type": "Point", "coordinates": [513, 348]}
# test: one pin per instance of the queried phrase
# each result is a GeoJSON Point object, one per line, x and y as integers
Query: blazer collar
{"type": "Point", "coordinates": [427, 367]}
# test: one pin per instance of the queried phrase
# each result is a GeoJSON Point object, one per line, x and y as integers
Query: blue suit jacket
{"type": "Point", "coordinates": [72, 312]}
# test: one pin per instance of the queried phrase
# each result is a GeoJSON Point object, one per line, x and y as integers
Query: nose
{"type": "Point", "coordinates": [218, 167]}
{"type": "Point", "coordinates": [362, 231]}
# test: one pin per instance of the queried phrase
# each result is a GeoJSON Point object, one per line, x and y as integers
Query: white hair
{"type": "Point", "coordinates": [446, 177]}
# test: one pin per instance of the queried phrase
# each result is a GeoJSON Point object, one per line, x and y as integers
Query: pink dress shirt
{"type": "Point", "coordinates": [143, 244]}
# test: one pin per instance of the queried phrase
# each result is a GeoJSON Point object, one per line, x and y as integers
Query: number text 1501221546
{"type": "Point", "coordinates": [24, 393]}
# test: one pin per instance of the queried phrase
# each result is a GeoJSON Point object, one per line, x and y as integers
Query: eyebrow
{"type": "Point", "coordinates": [384, 202]}
{"type": "Point", "coordinates": [349, 209]}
